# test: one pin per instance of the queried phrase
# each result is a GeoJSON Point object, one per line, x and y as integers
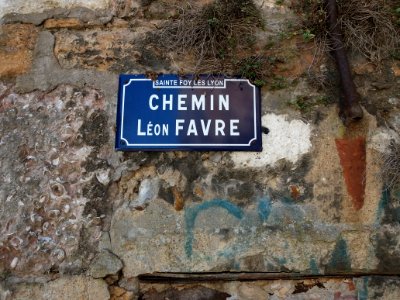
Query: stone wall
{"type": "Point", "coordinates": [79, 220]}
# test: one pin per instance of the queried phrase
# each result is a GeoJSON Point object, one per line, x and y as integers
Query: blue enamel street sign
{"type": "Point", "coordinates": [175, 112]}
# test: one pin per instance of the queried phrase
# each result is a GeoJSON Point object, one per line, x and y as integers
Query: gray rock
{"type": "Point", "coordinates": [216, 157]}
{"type": "Point", "coordinates": [105, 263]}
{"type": "Point", "coordinates": [5, 294]}
{"type": "Point", "coordinates": [130, 284]}
{"type": "Point", "coordinates": [148, 191]}
{"type": "Point", "coordinates": [104, 242]}
{"type": "Point", "coordinates": [35, 19]}
{"type": "Point", "coordinates": [87, 15]}
{"type": "Point", "coordinates": [46, 73]}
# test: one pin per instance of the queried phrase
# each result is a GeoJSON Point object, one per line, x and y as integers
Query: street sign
{"type": "Point", "coordinates": [175, 112]}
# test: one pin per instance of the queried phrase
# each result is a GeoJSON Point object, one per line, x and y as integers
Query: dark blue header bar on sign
{"type": "Point", "coordinates": [188, 113]}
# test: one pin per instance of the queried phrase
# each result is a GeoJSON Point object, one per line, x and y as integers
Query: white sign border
{"type": "Point", "coordinates": [203, 87]}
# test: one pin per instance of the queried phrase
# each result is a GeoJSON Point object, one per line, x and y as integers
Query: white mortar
{"type": "Point", "coordinates": [286, 140]}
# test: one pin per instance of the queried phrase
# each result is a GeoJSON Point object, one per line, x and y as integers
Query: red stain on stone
{"type": "Point", "coordinates": [351, 285]}
{"type": "Point", "coordinates": [352, 155]}
{"type": "Point", "coordinates": [294, 192]}
{"type": "Point", "coordinates": [337, 295]}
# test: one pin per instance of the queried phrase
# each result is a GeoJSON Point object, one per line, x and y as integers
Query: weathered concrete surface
{"type": "Point", "coordinates": [69, 204]}
{"type": "Point", "coordinates": [228, 238]}
{"type": "Point", "coordinates": [308, 222]}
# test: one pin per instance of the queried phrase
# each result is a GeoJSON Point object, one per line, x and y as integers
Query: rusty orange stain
{"type": "Point", "coordinates": [198, 191]}
{"type": "Point", "coordinates": [179, 203]}
{"type": "Point", "coordinates": [352, 154]}
{"type": "Point", "coordinates": [294, 192]}
{"type": "Point", "coordinates": [351, 285]}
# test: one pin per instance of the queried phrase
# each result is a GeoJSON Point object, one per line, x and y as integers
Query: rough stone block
{"type": "Point", "coordinates": [17, 42]}
{"type": "Point", "coordinates": [126, 8]}
{"type": "Point", "coordinates": [118, 293]}
{"type": "Point", "coordinates": [105, 263]}
{"type": "Point", "coordinates": [71, 23]}
{"type": "Point", "coordinates": [66, 288]}
{"type": "Point", "coordinates": [45, 145]}
{"type": "Point", "coordinates": [101, 50]}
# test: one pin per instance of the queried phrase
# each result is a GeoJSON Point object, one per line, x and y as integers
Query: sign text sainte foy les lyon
{"type": "Point", "coordinates": [188, 113]}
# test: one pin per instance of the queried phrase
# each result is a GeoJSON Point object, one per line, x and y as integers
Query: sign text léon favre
{"type": "Point", "coordinates": [188, 113]}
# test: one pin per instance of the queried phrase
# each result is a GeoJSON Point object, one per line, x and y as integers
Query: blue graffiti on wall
{"type": "Point", "coordinates": [295, 219]}
{"type": "Point", "coordinates": [340, 259]}
{"type": "Point", "coordinates": [192, 213]}
{"type": "Point", "coordinates": [383, 203]}
{"type": "Point", "coordinates": [264, 209]}
{"type": "Point", "coordinates": [362, 289]}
